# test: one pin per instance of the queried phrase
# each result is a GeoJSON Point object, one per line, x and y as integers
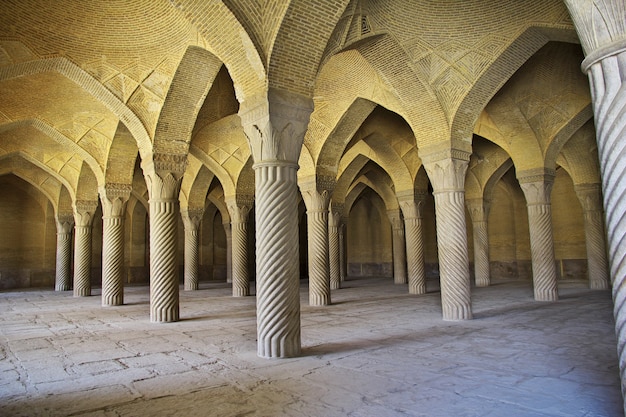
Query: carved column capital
{"type": "Point", "coordinates": [590, 196]}
{"type": "Point", "coordinates": [84, 212]}
{"type": "Point", "coordinates": [411, 208]}
{"type": "Point", "coordinates": [275, 122]}
{"type": "Point", "coordinates": [446, 168]}
{"type": "Point", "coordinates": [192, 217]}
{"type": "Point", "coordinates": [114, 197]}
{"type": "Point", "coordinates": [239, 207]}
{"type": "Point", "coordinates": [163, 174]}
{"type": "Point", "coordinates": [315, 200]}
{"type": "Point", "coordinates": [478, 209]}
{"type": "Point", "coordinates": [536, 185]}
{"type": "Point", "coordinates": [395, 218]}
{"type": "Point", "coordinates": [65, 222]}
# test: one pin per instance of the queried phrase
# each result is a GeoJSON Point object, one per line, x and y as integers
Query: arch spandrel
{"type": "Point", "coordinates": [580, 156]}
{"type": "Point", "coordinates": [487, 158]}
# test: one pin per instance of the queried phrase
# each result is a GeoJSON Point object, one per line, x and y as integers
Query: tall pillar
{"type": "Point", "coordinates": [412, 212]}
{"type": "Point", "coordinates": [537, 187]}
{"type": "Point", "coordinates": [342, 249]}
{"type": "Point", "coordinates": [275, 124]}
{"type": "Point", "coordinates": [65, 224]}
{"type": "Point", "coordinates": [334, 262]}
{"type": "Point", "coordinates": [602, 31]}
{"type": "Point", "coordinates": [446, 170]}
{"type": "Point", "coordinates": [316, 199]}
{"type": "Point", "coordinates": [479, 212]}
{"type": "Point", "coordinates": [113, 198]}
{"type": "Point", "coordinates": [163, 175]}
{"type": "Point", "coordinates": [228, 232]}
{"type": "Point", "coordinates": [590, 197]}
{"type": "Point", "coordinates": [192, 217]}
{"type": "Point", "coordinates": [239, 208]}
{"type": "Point", "coordinates": [83, 220]}
{"type": "Point", "coordinates": [398, 246]}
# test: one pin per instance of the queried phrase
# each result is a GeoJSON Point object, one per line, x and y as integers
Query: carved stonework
{"type": "Point", "coordinates": [537, 189]}
{"type": "Point", "coordinates": [278, 264]}
{"type": "Point", "coordinates": [412, 211]}
{"type": "Point", "coordinates": [192, 217]}
{"type": "Point", "coordinates": [84, 211]}
{"type": "Point", "coordinates": [317, 222]}
{"type": "Point", "coordinates": [398, 247]}
{"type": "Point", "coordinates": [447, 174]}
{"type": "Point", "coordinates": [275, 123]}
{"type": "Point", "coordinates": [334, 266]}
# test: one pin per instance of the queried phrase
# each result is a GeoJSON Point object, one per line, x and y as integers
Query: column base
{"type": "Point", "coordinates": [598, 285]}
{"type": "Point", "coordinates": [319, 300]}
{"type": "Point", "coordinates": [456, 313]}
{"type": "Point", "coordinates": [417, 290]}
{"type": "Point", "coordinates": [551, 295]}
{"type": "Point", "coordinates": [165, 316]}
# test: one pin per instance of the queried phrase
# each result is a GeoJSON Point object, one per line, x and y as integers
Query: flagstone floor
{"type": "Point", "coordinates": [376, 351]}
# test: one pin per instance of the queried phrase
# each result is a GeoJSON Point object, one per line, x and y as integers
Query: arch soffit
{"type": "Point", "coordinates": [32, 174]}
{"type": "Point", "coordinates": [579, 156]}
{"type": "Point", "coordinates": [222, 175]}
{"type": "Point", "coordinates": [122, 157]}
{"type": "Point", "coordinates": [519, 50]}
{"type": "Point", "coordinates": [92, 87]}
{"type": "Point", "coordinates": [384, 191]}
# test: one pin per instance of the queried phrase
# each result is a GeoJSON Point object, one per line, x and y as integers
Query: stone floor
{"type": "Point", "coordinates": [376, 351]}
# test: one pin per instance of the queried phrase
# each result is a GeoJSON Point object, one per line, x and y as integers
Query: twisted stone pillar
{"type": "Point", "coordinates": [334, 266]}
{"type": "Point", "coordinates": [192, 217]}
{"type": "Point", "coordinates": [65, 224]}
{"type": "Point", "coordinates": [446, 170]}
{"type": "Point", "coordinates": [412, 212]}
{"type": "Point", "coordinates": [83, 220]}
{"type": "Point", "coordinates": [342, 250]}
{"type": "Point", "coordinates": [163, 177]}
{"type": "Point", "coordinates": [113, 198]}
{"type": "Point", "coordinates": [479, 212]}
{"type": "Point", "coordinates": [275, 123]}
{"type": "Point", "coordinates": [602, 31]}
{"type": "Point", "coordinates": [317, 223]}
{"type": "Point", "coordinates": [537, 188]}
{"type": "Point", "coordinates": [229, 251]}
{"type": "Point", "coordinates": [239, 210]}
{"type": "Point", "coordinates": [398, 246]}
{"type": "Point", "coordinates": [590, 197]}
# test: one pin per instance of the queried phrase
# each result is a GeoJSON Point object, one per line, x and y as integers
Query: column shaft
{"type": "Point", "coordinates": [446, 170]}
{"type": "Point", "coordinates": [537, 190]}
{"type": "Point", "coordinates": [412, 211]}
{"type": "Point", "coordinates": [319, 274]}
{"type": "Point", "coordinates": [398, 247]}
{"type": "Point", "coordinates": [191, 259]}
{"type": "Point", "coordinates": [333, 250]}
{"type": "Point", "coordinates": [241, 278]}
{"type": "Point", "coordinates": [342, 252]}
{"type": "Point", "coordinates": [229, 251]}
{"type": "Point", "coordinates": [113, 261]}
{"type": "Point", "coordinates": [82, 261]}
{"type": "Point", "coordinates": [277, 261]}
{"type": "Point", "coordinates": [64, 254]}
{"type": "Point", "coordinates": [479, 211]}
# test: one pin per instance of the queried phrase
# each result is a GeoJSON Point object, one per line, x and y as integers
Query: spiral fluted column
{"type": "Point", "coordinates": [228, 232]}
{"type": "Point", "coordinates": [239, 210]}
{"type": "Point", "coordinates": [479, 212]}
{"type": "Point", "coordinates": [446, 170]}
{"type": "Point", "coordinates": [342, 250]}
{"type": "Point", "coordinates": [275, 122]}
{"type": "Point", "coordinates": [601, 27]}
{"type": "Point", "coordinates": [537, 189]}
{"type": "Point", "coordinates": [83, 220]}
{"type": "Point", "coordinates": [398, 246]}
{"type": "Point", "coordinates": [277, 259]}
{"type": "Point", "coordinates": [113, 198]}
{"type": "Point", "coordinates": [163, 177]}
{"type": "Point", "coordinates": [63, 279]}
{"type": "Point", "coordinates": [334, 219]}
{"type": "Point", "coordinates": [192, 217]}
{"type": "Point", "coordinates": [412, 212]}
{"type": "Point", "coordinates": [316, 202]}
{"type": "Point", "coordinates": [590, 197]}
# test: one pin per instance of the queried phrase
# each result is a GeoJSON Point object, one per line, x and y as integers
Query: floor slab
{"type": "Point", "coordinates": [376, 351]}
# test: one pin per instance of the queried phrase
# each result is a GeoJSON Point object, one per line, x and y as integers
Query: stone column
{"type": "Point", "coordinates": [537, 188]}
{"type": "Point", "coordinates": [275, 123]}
{"type": "Point", "coordinates": [342, 250]}
{"type": "Point", "coordinates": [316, 200]}
{"type": "Point", "coordinates": [83, 220]}
{"type": "Point", "coordinates": [602, 32]}
{"type": "Point", "coordinates": [412, 212]}
{"type": "Point", "coordinates": [229, 251]}
{"type": "Point", "coordinates": [192, 217]}
{"type": "Point", "coordinates": [239, 209]}
{"type": "Point", "coordinates": [65, 224]}
{"type": "Point", "coordinates": [590, 197]}
{"type": "Point", "coordinates": [479, 212]}
{"type": "Point", "coordinates": [399, 246]}
{"type": "Point", "coordinates": [163, 176]}
{"type": "Point", "coordinates": [113, 198]}
{"type": "Point", "coordinates": [446, 170]}
{"type": "Point", "coordinates": [334, 262]}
